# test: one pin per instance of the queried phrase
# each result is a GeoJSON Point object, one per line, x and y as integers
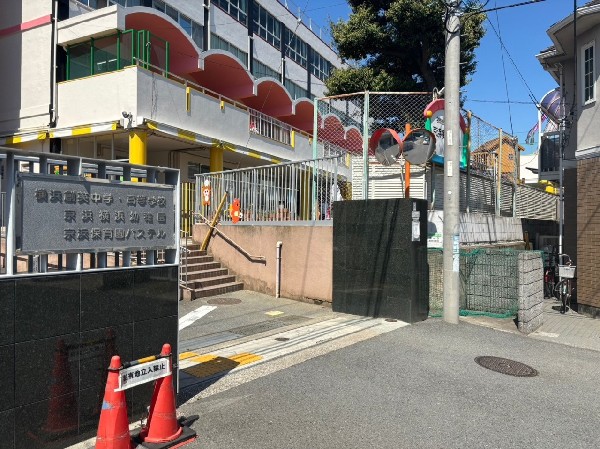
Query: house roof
{"type": "Point", "coordinates": [492, 145]}
{"type": "Point", "coordinates": [561, 34]}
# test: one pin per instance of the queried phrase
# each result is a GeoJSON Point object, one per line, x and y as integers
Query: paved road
{"type": "Point", "coordinates": [413, 387]}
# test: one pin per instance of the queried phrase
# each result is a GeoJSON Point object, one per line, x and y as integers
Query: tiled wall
{"type": "Point", "coordinates": [588, 234]}
{"type": "Point", "coordinates": [58, 335]}
{"type": "Point", "coordinates": [378, 270]}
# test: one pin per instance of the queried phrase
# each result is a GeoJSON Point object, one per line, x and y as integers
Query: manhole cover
{"type": "Point", "coordinates": [282, 339]}
{"type": "Point", "coordinates": [224, 301]}
{"type": "Point", "coordinates": [506, 366]}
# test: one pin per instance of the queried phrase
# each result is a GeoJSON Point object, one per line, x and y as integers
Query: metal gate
{"type": "Point", "coordinates": [188, 202]}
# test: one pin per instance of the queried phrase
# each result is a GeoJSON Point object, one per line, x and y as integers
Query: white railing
{"type": "Point", "coordinates": [269, 127]}
{"type": "Point", "coordinates": [293, 191]}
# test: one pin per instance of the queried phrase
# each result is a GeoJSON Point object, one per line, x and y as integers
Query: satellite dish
{"type": "Point", "coordinates": [386, 145]}
{"type": "Point", "coordinates": [419, 146]}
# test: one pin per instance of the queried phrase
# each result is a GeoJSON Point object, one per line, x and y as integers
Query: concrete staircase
{"type": "Point", "coordinates": [202, 276]}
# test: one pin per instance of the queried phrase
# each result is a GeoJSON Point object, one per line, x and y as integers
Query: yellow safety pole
{"type": "Point", "coordinates": [213, 223]}
{"type": "Point", "coordinates": [138, 148]}
{"type": "Point", "coordinates": [216, 159]}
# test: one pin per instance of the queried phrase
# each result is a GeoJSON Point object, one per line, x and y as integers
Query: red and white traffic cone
{"type": "Point", "coordinates": [162, 429]}
{"type": "Point", "coordinates": [113, 428]}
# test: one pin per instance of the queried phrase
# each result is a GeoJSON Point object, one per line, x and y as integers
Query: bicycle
{"type": "Point", "coordinates": [549, 280]}
{"type": "Point", "coordinates": [563, 289]}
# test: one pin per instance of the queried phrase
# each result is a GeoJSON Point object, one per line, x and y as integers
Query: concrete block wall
{"type": "Point", "coordinates": [530, 291]}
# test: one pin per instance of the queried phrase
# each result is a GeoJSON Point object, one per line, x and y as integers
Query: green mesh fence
{"type": "Point", "coordinates": [488, 282]}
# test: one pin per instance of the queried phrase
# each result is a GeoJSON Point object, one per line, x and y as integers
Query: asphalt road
{"type": "Point", "coordinates": [414, 387]}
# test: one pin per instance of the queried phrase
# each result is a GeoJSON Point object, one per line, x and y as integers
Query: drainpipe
{"type": "Point", "coordinates": [278, 271]}
{"type": "Point", "coordinates": [53, 40]}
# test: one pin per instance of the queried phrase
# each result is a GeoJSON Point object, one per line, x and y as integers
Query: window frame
{"type": "Point", "coordinates": [260, 26]}
{"type": "Point", "coordinates": [587, 75]}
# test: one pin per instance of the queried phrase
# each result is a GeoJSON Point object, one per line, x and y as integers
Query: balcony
{"type": "Point", "coordinates": [549, 157]}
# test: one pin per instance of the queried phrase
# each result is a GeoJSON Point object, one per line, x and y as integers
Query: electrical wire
{"type": "Point", "coordinates": [504, 72]}
{"type": "Point", "coordinates": [514, 5]}
{"type": "Point", "coordinates": [531, 94]}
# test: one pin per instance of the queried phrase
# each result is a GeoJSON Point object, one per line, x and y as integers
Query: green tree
{"type": "Point", "coordinates": [399, 45]}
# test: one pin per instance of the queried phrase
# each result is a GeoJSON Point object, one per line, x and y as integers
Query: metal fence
{"type": "Point", "coordinates": [292, 191]}
{"type": "Point", "coordinates": [348, 121]}
{"type": "Point", "coordinates": [15, 163]}
{"type": "Point", "coordinates": [494, 155]}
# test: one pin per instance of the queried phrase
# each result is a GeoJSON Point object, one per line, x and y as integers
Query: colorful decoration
{"type": "Point", "coordinates": [434, 122]}
{"type": "Point", "coordinates": [234, 210]}
{"type": "Point", "coordinates": [206, 193]}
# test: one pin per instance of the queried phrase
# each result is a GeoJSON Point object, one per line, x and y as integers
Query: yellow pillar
{"type": "Point", "coordinates": [216, 159]}
{"type": "Point", "coordinates": [306, 195]}
{"type": "Point", "coordinates": [138, 149]}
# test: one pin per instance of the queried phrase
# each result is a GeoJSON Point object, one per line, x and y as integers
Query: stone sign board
{"type": "Point", "coordinates": [66, 214]}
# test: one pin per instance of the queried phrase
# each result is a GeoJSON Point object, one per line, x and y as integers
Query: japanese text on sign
{"type": "Point", "coordinates": [87, 215]}
{"type": "Point", "coordinates": [142, 373]}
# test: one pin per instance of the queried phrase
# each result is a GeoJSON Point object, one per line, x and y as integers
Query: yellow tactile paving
{"type": "Point", "coordinates": [209, 365]}
{"type": "Point", "coordinates": [187, 355]}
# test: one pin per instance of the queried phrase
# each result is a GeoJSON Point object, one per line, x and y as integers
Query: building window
{"type": "Point", "coordinates": [192, 28]}
{"type": "Point", "coordinates": [589, 73]}
{"type": "Point", "coordinates": [198, 34]}
{"type": "Point", "coordinates": [267, 26]}
{"type": "Point", "coordinates": [320, 66]}
{"type": "Point", "coordinates": [296, 49]}
{"type": "Point", "coordinates": [238, 9]}
{"type": "Point", "coordinates": [260, 70]}
{"type": "Point", "coordinates": [219, 43]}
{"type": "Point", "coordinates": [196, 169]}
{"type": "Point", "coordinates": [295, 90]}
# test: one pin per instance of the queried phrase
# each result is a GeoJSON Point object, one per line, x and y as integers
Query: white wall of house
{"type": "Point", "coordinates": [82, 27]}
{"type": "Point", "coordinates": [25, 67]}
{"type": "Point", "coordinates": [588, 131]}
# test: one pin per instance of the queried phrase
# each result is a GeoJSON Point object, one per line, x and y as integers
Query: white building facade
{"type": "Point", "coordinates": [196, 85]}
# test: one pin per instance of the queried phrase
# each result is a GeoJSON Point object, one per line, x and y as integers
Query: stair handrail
{"type": "Point", "coordinates": [247, 255]}
{"type": "Point", "coordinates": [183, 254]}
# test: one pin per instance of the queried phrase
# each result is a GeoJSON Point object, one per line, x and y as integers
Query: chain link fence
{"type": "Point", "coordinates": [344, 124]}
{"type": "Point", "coordinates": [494, 156]}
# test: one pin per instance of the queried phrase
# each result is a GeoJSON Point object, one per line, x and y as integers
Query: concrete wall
{"type": "Point", "coordinates": [151, 96]}
{"type": "Point", "coordinates": [306, 257]}
{"type": "Point", "coordinates": [530, 291]}
{"type": "Point", "coordinates": [476, 229]}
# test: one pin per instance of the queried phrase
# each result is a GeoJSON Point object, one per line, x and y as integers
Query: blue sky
{"type": "Point", "coordinates": [523, 31]}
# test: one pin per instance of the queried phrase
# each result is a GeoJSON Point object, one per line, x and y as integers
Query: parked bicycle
{"type": "Point", "coordinates": [549, 281]}
{"type": "Point", "coordinates": [563, 290]}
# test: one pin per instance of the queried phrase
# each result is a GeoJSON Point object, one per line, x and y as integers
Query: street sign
{"type": "Point", "coordinates": [143, 372]}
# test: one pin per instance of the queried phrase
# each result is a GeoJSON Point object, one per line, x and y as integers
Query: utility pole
{"type": "Point", "coordinates": [452, 150]}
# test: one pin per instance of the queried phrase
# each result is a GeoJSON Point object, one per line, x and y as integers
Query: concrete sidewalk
{"type": "Point", "coordinates": [570, 329]}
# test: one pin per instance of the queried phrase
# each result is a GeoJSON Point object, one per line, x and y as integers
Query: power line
{"type": "Point", "coordinates": [515, 5]}
{"type": "Point", "coordinates": [504, 72]}
{"type": "Point", "coordinates": [531, 94]}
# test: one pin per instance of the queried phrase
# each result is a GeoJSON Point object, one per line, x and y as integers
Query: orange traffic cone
{"type": "Point", "coordinates": [162, 425]}
{"type": "Point", "coordinates": [113, 428]}
{"type": "Point", "coordinates": [62, 408]}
